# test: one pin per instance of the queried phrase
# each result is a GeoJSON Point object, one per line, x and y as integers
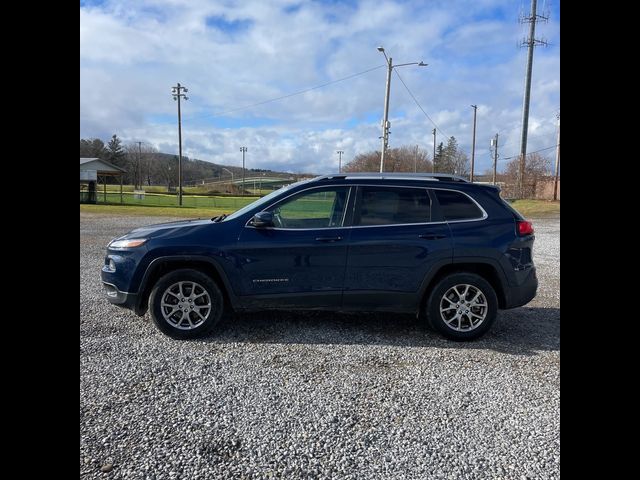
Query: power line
{"type": "Point", "coordinates": [219, 114]}
{"type": "Point", "coordinates": [529, 153]}
{"type": "Point", "coordinates": [531, 136]}
{"type": "Point", "coordinates": [553, 114]}
{"type": "Point", "coordinates": [420, 106]}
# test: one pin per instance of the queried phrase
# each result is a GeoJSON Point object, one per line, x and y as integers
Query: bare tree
{"type": "Point", "coordinates": [140, 163]}
{"type": "Point", "coordinates": [402, 159]}
{"type": "Point", "coordinates": [460, 163]}
{"type": "Point", "coordinates": [363, 162]}
{"type": "Point", "coordinates": [164, 170]}
{"type": "Point", "coordinates": [536, 168]}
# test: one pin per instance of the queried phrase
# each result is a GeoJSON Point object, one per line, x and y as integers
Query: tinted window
{"type": "Point", "coordinates": [457, 206]}
{"type": "Point", "coordinates": [312, 209]}
{"type": "Point", "coordinates": [387, 206]}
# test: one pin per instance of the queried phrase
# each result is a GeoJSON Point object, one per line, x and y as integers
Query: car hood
{"type": "Point", "coordinates": [165, 228]}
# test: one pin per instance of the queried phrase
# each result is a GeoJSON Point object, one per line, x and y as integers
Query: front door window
{"type": "Point", "coordinates": [312, 209]}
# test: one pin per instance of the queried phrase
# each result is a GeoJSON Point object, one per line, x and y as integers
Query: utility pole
{"type": "Point", "coordinates": [243, 150]}
{"type": "Point", "coordinates": [473, 143]}
{"type": "Point", "coordinates": [433, 164]}
{"type": "Point", "coordinates": [177, 95]}
{"type": "Point", "coordinates": [555, 182]}
{"type": "Point", "coordinates": [339, 152]}
{"type": "Point", "coordinates": [138, 174]}
{"type": "Point", "coordinates": [385, 120]}
{"type": "Point", "coordinates": [494, 143]}
{"type": "Point", "coordinates": [531, 42]}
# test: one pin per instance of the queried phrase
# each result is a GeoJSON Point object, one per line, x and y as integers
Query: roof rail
{"type": "Point", "coordinates": [443, 177]}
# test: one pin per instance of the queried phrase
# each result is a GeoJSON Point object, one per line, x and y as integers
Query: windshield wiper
{"type": "Point", "coordinates": [219, 218]}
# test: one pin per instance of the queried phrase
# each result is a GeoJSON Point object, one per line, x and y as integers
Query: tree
{"type": "Point", "coordinates": [439, 158]}
{"type": "Point", "coordinates": [115, 154]}
{"type": "Point", "coordinates": [536, 167]}
{"type": "Point", "coordinates": [451, 159]}
{"type": "Point", "coordinates": [363, 162]}
{"type": "Point", "coordinates": [92, 148]}
{"type": "Point", "coordinates": [408, 159]}
{"type": "Point", "coordinates": [461, 165]}
{"type": "Point", "coordinates": [139, 161]}
{"type": "Point", "coordinates": [402, 159]}
{"type": "Point", "coordinates": [166, 168]}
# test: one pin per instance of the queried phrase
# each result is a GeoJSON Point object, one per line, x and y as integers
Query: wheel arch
{"type": "Point", "coordinates": [163, 265]}
{"type": "Point", "coordinates": [484, 268]}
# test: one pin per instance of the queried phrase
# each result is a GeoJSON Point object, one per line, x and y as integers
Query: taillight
{"type": "Point", "coordinates": [524, 228]}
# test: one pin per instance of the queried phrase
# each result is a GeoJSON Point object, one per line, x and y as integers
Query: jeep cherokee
{"type": "Point", "coordinates": [450, 251]}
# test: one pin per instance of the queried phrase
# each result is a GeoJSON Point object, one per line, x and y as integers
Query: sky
{"type": "Point", "coordinates": [239, 58]}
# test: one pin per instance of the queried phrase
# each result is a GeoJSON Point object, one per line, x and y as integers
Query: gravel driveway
{"type": "Point", "coordinates": [290, 395]}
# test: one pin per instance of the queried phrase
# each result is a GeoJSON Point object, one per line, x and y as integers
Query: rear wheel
{"type": "Point", "coordinates": [186, 303]}
{"type": "Point", "coordinates": [462, 306]}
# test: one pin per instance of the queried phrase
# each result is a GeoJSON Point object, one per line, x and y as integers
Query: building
{"type": "Point", "coordinates": [92, 170]}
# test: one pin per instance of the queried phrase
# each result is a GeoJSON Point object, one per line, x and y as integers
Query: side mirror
{"type": "Point", "coordinates": [262, 219]}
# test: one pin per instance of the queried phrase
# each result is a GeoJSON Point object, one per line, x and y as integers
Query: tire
{"type": "Point", "coordinates": [186, 304]}
{"type": "Point", "coordinates": [462, 321]}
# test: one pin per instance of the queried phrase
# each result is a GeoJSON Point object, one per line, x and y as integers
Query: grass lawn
{"type": "Point", "coordinates": [187, 212]}
{"type": "Point", "coordinates": [537, 208]}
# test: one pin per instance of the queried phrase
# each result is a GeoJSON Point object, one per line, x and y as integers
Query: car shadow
{"type": "Point", "coordinates": [521, 331]}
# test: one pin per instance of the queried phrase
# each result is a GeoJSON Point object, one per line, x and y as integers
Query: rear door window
{"type": "Point", "coordinates": [457, 206]}
{"type": "Point", "coordinates": [392, 206]}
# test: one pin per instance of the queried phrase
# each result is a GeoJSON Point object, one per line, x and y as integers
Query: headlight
{"type": "Point", "coordinates": [128, 243]}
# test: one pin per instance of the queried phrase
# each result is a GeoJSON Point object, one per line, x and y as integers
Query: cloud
{"type": "Point", "coordinates": [237, 53]}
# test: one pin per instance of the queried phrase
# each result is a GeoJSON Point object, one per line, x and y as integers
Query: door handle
{"type": "Point", "coordinates": [328, 239]}
{"type": "Point", "coordinates": [431, 236]}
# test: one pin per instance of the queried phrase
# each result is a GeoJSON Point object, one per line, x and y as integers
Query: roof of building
{"type": "Point", "coordinates": [102, 166]}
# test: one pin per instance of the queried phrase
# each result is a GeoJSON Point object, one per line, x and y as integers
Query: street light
{"type": "Point", "coordinates": [177, 93]}
{"type": "Point", "coordinates": [231, 175]}
{"type": "Point", "coordinates": [385, 120]}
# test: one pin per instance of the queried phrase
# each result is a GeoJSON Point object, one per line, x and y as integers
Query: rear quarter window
{"type": "Point", "coordinates": [457, 206]}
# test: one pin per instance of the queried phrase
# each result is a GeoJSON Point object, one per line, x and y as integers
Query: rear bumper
{"type": "Point", "coordinates": [121, 299]}
{"type": "Point", "coordinates": [516, 296]}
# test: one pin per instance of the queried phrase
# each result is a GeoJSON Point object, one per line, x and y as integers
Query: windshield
{"type": "Point", "coordinates": [260, 202]}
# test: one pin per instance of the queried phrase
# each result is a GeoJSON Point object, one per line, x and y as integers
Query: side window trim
{"type": "Point", "coordinates": [441, 215]}
{"type": "Point", "coordinates": [300, 192]}
{"type": "Point", "coordinates": [358, 206]}
{"type": "Point", "coordinates": [436, 211]}
{"type": "Point", "coordinates": [354, 201]}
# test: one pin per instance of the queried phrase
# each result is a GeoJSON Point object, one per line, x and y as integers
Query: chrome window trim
{"type": "Point", "coordinates": [302, 191]}
{"type": "Point", "coordinates": [484, 216]}
{"type": "Point", "coordinates": [351, 186]}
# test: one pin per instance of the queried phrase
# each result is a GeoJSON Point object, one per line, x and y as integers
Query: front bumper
{"type": "Point", "coordinates": [122, 299]}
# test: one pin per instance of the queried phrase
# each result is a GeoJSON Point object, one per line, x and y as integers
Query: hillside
{"type": "Point", "coordinates": [195, 170]}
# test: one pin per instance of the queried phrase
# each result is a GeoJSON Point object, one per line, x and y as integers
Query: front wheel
{"type": "Point", "coordinates": [185, 304]}
{"type": "Point", "coordinates": [462, 306]}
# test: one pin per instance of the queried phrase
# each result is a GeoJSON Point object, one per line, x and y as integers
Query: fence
{"type": "Point", "coordinates": [87, 196]}
{"type": "Point", "coordinates": [539, 189]}
{"type": "Point", "coordinates": [171, 200]}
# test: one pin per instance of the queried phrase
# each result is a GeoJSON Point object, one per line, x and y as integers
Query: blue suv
{"type": "Point", "coordinates": [450, 251]}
